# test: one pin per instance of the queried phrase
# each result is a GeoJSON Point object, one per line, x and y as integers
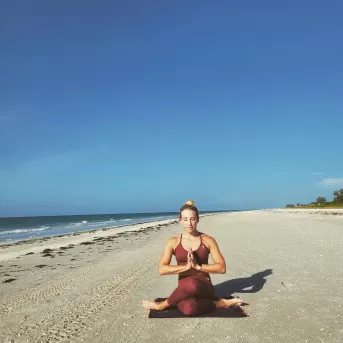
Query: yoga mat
{"type": "Point", "coordinates": [173, 312]}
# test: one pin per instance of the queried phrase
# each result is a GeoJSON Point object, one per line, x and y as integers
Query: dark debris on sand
{"type": "Point", "coordinates": [47, 251]}
{"type": "Point", "coordinates": [49, 255]}
{"type": "Point", "coordinates": [70, 246]}
{"type": "Point", "coordinates": [333, 213]}
{"type": "Point", "coordinates": [8, 280]}
{"type": "Point", "coordinates": [41, 265]}
{"type": "Point", "coordinates": [127, 234]}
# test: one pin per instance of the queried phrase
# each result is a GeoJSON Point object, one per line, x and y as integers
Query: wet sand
{"type": "Point", "coordinates": [287, 264]}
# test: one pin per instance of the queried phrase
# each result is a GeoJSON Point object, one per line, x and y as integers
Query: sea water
{"type": "Point", "coordinates": [21, 228]}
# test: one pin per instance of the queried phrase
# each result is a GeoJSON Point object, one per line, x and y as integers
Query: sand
{"type": "Point", "coordinates": [287, 264]}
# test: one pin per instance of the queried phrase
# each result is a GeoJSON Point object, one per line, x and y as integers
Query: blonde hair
{"type": "Point", "coordinates": [189, 205]}
{"type": "Point", "coordinates": [189, 202]}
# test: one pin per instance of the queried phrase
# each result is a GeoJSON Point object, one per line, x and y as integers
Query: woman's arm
{"type": "Point", "coordinates": [219, 265]}
{"type": "Point", "coordinates": [164, 268]}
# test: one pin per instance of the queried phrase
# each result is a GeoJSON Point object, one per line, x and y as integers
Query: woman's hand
{"type": "Point", "coordinates": [190, 259]}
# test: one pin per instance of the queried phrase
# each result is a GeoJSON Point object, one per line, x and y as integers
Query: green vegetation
{"type": "Point", "coordinates": [290, 206]}
{"type": "Point", "coordinates": [321, 202]}
{"type": "Point", "coordinates": [338, 196]}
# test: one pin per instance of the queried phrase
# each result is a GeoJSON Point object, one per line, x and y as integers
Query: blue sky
{"type": "Point", "coordinates": [133, 106]}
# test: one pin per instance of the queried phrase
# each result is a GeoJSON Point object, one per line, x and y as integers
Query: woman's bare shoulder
{"type": "Point", "coordinates": [207, 239]}
{"type": "Point", "coordinates": [174, 241]}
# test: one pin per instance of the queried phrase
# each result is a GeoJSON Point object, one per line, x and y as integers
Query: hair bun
{"type": "Point", "coordinates": [189, 202]}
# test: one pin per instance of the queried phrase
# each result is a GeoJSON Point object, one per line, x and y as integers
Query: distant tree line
{"type": "Point", "coordinates": [322, 201]}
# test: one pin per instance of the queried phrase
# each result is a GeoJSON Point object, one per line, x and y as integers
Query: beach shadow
{"type": "Point", "coordinates": [251, 284]}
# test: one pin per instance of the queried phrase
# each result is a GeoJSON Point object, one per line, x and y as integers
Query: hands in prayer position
{"type": "Point", "coordinates": [191, 263]}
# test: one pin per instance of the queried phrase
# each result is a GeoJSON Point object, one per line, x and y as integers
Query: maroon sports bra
{"type": "Point", "coordinates": [200, 256]}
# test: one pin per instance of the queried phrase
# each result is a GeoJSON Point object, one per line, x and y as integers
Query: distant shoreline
{"type": "Point", "coordinates": [26, 228]}
{"type": "Point", "coordinates": [113, 214]}
{"type": "Point", "coordinates": [316, 207]}
{"type": "Point", "coordinates": [102, 231]}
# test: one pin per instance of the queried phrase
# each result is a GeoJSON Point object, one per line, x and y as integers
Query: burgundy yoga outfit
{"type": "Point", "coordinates": [195, 292]}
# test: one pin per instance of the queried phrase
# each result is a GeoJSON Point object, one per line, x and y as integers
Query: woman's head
{"type": "Point", "coordinates": [189, 216]}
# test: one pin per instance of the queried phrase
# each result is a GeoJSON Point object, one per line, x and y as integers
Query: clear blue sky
{"type": "Point", "coordinates": [134, 106]}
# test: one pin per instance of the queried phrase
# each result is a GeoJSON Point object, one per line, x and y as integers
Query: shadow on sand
{"type": "Point", "coordinates": [254, 283]}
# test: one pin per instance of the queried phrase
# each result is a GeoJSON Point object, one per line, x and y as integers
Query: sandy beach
{"type": "Point", "coordinates": [87, 287]}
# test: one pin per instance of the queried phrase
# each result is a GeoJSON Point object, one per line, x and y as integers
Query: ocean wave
{"type": "Point", "coordinates": [8, 232]}
{"type": "Point", "coordinates": [77, 224]}
{"type": "Point", "coordinates": [72, 225]}
{"type": "Point", "coordinates": [67, 227]}
{"type": "Point", "coordinates": [154, 218]}
{"type": "Point", "coordinates": [101, 224]}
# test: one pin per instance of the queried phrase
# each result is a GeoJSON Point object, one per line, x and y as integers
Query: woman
{"type": "Point", "coordinates": [195, 293]}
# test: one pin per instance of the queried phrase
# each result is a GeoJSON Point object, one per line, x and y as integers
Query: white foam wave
{"type": "Point", "coordinates": [77, 224]}
{"type": "Point", "coordinates": [102, 223]}
{"type": "Point", "coordinates": [23, 230]}
{"type": "Point", "coordinates": [72, 225]}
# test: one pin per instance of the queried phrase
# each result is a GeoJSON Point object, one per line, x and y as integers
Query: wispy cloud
{"type": "Point", "coordinates": [331, 182]}
{"type": "Point", "coordinates": [317, 173]}
{"type": "Point", "coordinates": [281, 173]}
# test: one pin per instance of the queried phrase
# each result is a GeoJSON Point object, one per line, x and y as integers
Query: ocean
{"type": "Point", "coordinates": [21, 228]}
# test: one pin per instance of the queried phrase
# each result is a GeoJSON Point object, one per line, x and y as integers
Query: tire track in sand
{"type": "Point", "coordinates": [36, 296]}
{"type": "Point", "coordinates": [79, 313]}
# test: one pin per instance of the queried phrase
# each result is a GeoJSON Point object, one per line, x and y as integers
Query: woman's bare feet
{"type": "Point", "coordinates": [152, 305]}
{"type": "Point", "coordinates": [224, 303]}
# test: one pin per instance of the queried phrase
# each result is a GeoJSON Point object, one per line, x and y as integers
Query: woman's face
{"type": "Point", "coordinates": [189, 220]}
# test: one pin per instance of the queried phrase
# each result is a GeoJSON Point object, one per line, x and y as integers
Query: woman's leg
{"type": "Point", "coordinates": [193, 306]}
{"type": "Point", "coordinates": [200, 289]}
{"type": "Point", "coordinates": [203, 301]}
{"type": "Point", "coordinates": [187, 287]}
{"type": "Point", "coordinates": [191, 287]}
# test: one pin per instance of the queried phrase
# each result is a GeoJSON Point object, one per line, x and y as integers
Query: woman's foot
{"type": "Point", "coordinates": [224, 303]}
{"type": "Point", "coordinates": [152, 305]}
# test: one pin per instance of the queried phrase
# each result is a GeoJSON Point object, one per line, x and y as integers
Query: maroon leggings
{"type": "Point", "coordinates": [193, 296]}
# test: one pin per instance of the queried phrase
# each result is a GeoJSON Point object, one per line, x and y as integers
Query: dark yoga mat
{"type": "Point", "coordinates": [173, 312]}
